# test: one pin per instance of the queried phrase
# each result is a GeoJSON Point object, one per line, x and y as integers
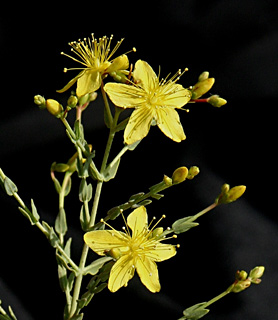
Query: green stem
{"type": "Point", "coordinates": [78, 282]}
{"type": "Point", "coordinates": [220, 296]}
{"type": "Point", "coordinates": [198, 215]}
{"type": "Point", "coordinates": [68, 127]}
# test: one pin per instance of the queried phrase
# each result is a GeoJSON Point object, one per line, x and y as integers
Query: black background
{"type": "Point", "coordinates": [237, 41]}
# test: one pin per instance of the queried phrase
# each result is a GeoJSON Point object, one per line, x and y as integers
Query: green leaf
{"type": "Point", "coordinates": [121, 125]}
{"type": "Point", "coordinates": [94, 267]}
{"type": "Point", "coordinates": [62, 274]}
{"type": "Point", "coordinates": [135, 197]}
{"type": "Point", "coordinates": [68, 187]}
{"type": "Point", "coordinates": [195, 312]}
{"type": "Point", "coordinates": [114, 213]}
{"type": "Point", "coordinates": [53, 238]}
{"type": "Point", "coordinates": [183, 225]}
{"type": "Point", "coordinates": [110, 171]}
{"type": "Point", "coordinates": [84, 218]}
{"type": "Point", "coordinates": [35, 216]}
{"type": "Point", "coordinates": [85, 191]}
{"type": "Point", "coordinates": [10, 186]}
{"type": "Point", "coordinates": [142, 203]}
{"type": "Point", "coordinates": [157, 196]}
{"type": "Point", "coordinates": [61, 222]}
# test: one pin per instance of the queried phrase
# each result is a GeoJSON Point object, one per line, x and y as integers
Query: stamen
{"type": "Point", "coordinates": [126, 228]}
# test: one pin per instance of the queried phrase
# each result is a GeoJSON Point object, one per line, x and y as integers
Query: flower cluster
{"type": "Point", "coordinates": [153, 98]}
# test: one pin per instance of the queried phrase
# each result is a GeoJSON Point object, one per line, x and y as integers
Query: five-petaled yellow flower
{"type": "Point", "coordinates": [137, 251]}
{"type": "Point", "coordinates": [95, 55]}
{"type": "Point", "coordinates": [154, 101]}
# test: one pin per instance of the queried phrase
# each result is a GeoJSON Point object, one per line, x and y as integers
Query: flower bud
{"type": "Point", "coordinates": [115, 253]}
{"type": "Point", "coordinates": [228, 195]}
{"type": "Point", "coordinates": [241, 275]}
{"type": "Point", "coordinates": [87, 98]}
{"type": "Point", "coordinates": [193, 172]}
{"type": "Point", "coordinates": [39, 101]}
{"type": "Point", "coordinates": [54, 107]}
{"type": "Point", "coordinates": [256, 273]}
{"type": "Point", "coordinates": [156, 232]}
{"type": "Point", "coordinates": [216, 101]}
{"type": "Point", "coordinates": [241, 285]}
{"type": "Point", "coordinates": [72, 102]}
{"type": "Point", "coordinates": [179, 175]}
{"type": "Point", "coordinates": [202, 87]}
{"type": "Point", "coordinates": [203, 76]}
{"type": "Point", "coordinates": [118, 76]}
{"type": "Point", "coordinates": [235, 193]}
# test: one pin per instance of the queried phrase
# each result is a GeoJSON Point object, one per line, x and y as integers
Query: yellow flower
{"type": "Point", "coordinates": [95, 56]}
{"type": "Point", "coordinates": [154, 101]}
{"type": "Point", "coordinates": [137, 251]}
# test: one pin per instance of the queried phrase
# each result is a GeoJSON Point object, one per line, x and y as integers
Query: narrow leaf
{"type": "Point", "coordinates": [94, 267]}
{"type": "Point", "coordinates": [61, 222]}
{"type": "Point", "coordinates": [110, 171]}
{"type": "Point", "coordinates": [10, 187]}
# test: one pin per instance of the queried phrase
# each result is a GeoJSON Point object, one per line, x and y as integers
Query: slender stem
{"type": "Point", "coordinates": [68, 127]}
{"type": "Point", "coordinates": [198, 215]}
{"type": "Point", "coordinates": [78, 282]}
{"type": "Point", "coordinates": [221, 295]}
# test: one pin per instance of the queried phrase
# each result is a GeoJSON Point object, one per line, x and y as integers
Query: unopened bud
{"type": "Point", "coordinates": [39, 101]}
{"type": "Point", "coordinates": [118, 76]}
{"type": "Point", "coordinates": [241, 275]}
{"type": "Point", "coordinates": [115, 253]}
{"type": "Point", "coordinates": [202, 87]}
{"type": "Point", "coordinates": [235, 193]}
{"type": "Point", "coordinates": [72, 102]}
{"type": "Point", "coordinates": [216, 101]}
{"type": "Point", "coordinates": [179, 175]}
{"type": "Point", "coordinates": [54, 107]}
{"type": "Point", "coordinates": [193, 172]}
{"type": "Point", "coordinates": [228, 195]}
{"type": "Point", "coordinates": [87, 98]}
{"type": "Point", "coordinates": [157, 232]}
{"type": "Point", "coordinates": [203, 76]}
{"type": "Point", "coordinates": [241, 285]}
{"type": "Point", "coordinates": [256, 273]}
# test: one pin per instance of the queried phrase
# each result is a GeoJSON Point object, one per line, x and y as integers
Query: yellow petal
{"type": "Point", "coordinates": [178, 96]}
{"type": "Point", "coordinates": [138, 125]}
{"type": "Point", "coordinates": [101, 241]}
{"type": "Point", "coordinates": [89, 82]}
{"type": "Point", "coordinates": [120, 63]}
{"type": "Point", "coordinates": [121, 273]}
{"type": "Point", "coordinates": [148, 273]}
{"type": "Point", "coordinates": [168, 122]}
{"type": "Point", "coordinates": [71, 82]}
{"type": "Point", "coordinates": [144, 75]}
{"type": "Point", "coordinates": [162, 252]}
{"type": "Point", "coordinates": [138, 221]}
{"type": "Point", "coordinates": [123, 95]}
